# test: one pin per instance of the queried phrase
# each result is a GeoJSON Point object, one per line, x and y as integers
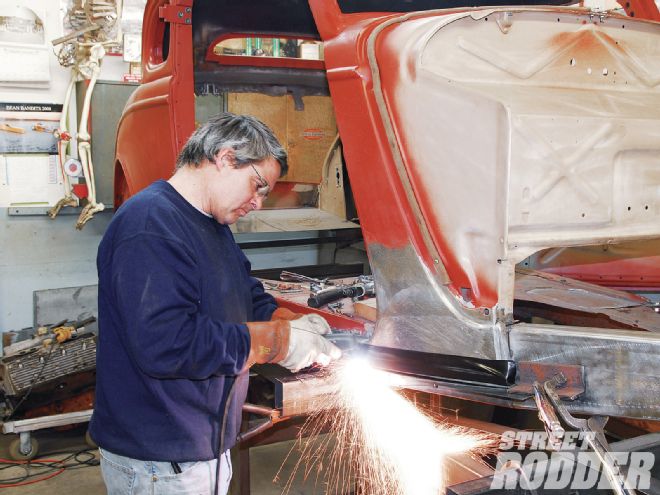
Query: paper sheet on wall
{"type": "Point", "coordinates": [27, 64]}
{"type": "Point", "coordinates": [28, 178]}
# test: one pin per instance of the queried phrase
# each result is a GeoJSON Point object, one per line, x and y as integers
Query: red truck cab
{"type": "Point", "coordinates": [478, 142]}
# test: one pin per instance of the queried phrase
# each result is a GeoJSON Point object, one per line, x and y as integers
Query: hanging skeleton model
{"type": "Point", "coordinates": [95, 28]}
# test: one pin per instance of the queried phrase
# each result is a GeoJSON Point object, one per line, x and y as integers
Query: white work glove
{"type": "Point", "coordinates": [306, 344]}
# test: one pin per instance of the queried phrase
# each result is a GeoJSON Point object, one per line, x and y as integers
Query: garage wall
{"type": "Point", "coordinates": [39, 253]}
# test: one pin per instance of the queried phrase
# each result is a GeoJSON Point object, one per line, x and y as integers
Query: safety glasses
{"type": "Point", "coordinates": [263, 187]}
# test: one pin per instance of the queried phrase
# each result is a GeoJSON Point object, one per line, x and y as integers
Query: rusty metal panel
{"type": "Point", "coordinates": [629, 309]}
{"type": "Point", "coordinates": [622, 377]}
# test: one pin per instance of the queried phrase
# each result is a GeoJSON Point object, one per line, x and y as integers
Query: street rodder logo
{"type": "Point", "coordinates": [570, 465]}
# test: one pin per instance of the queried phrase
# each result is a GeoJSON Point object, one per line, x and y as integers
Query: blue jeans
{"type": "Point", "coordinates": [126, 476]}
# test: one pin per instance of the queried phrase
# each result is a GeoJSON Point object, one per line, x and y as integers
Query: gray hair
{"type": "Point", "coordinates": [250, 139]}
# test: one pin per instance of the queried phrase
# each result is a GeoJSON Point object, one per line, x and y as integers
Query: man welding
{"type": "Point", "coordinates": [181, 320]}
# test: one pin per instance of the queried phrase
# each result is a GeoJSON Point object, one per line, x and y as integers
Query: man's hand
{"type": "Point", "coordinates": [307, 345]}
{"type": "Point", "coordinates": [269, 341]}
{"type": "Point", "coordinates": [284, 314]}
{"type": "Point", "coordinates": [294, 344]}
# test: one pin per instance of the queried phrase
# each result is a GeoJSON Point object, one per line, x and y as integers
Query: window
{"type": "Point", "coordinates": [270, 47]}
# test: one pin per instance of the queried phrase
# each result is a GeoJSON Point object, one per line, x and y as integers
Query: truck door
{"type": "Point", "coordinates": [159, 116]}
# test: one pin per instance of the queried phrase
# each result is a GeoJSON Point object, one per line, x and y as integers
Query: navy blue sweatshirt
{"type": "Point", "coordinates": [175, 292]}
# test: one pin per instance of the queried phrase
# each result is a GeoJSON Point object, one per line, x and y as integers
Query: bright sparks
{"type": "Point", "coordinates": [395, 432]}
{"type": "Point", "coordinates": [382, 443]}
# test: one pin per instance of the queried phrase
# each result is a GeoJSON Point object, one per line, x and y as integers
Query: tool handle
{"type": "Point", "coordinates": [330, 295]}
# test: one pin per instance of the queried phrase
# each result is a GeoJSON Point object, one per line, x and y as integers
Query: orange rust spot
{"type": "Point", "coordinates": [584, 42]}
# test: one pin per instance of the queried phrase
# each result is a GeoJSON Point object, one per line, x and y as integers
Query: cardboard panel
{"type": "Point", "coordinates": [311, 133]}
{"type": "Point", "coordinates": [271, 110]}
{"type": "Point", "coordinates": [306, 135]}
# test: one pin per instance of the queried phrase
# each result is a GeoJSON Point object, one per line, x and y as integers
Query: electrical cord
{"type": "Point", "coordinates": [49, 467]}
{"type": "Point", "coordinates": [23, 480]}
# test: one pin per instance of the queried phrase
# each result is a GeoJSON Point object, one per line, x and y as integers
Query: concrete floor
{"type": "Point", "coordinates": [57, 445]}
{"type": "Point", "coordinates": [265, 462]}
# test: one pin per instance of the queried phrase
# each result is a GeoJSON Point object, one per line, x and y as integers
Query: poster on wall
{"type": "Point", "coordinates": [29, 127]}
{"type": "Point", "coordinates": [29, 171]}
